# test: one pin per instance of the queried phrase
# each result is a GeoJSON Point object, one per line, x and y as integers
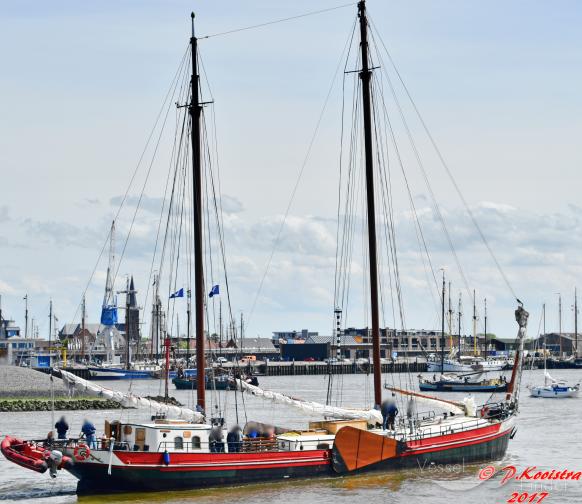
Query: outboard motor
{"type": "Point", "coordinates": [54, 461]}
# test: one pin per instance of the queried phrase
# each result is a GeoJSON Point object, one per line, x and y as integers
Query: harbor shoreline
{"type": "Point", "coordinates": [18, 404]}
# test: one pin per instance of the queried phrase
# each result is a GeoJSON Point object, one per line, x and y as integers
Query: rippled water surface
{"type": "Point", "coordinates": [549, 436]}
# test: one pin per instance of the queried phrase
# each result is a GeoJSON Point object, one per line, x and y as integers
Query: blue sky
{"type": "Point", "coordinates": [497, 82]}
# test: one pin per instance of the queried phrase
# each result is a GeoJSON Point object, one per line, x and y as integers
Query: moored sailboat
{"type": "Point", "coordinates": [184, 448]}
{"type": "Point", "coordinates": [552, 388]}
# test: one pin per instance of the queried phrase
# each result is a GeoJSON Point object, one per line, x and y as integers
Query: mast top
{"type": "Point", "coordinates": [192, 16]}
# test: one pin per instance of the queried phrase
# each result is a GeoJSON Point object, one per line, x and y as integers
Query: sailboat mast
{"type": "Point", "coordinates": [188, 310]}
{"type": "Point", "coordinates": [485, 317]}
{"type": "Point", "coordinates": [474, 324]}
{"type": "Point", "coordinates": [460, 314]}
{"type": "Point", "coordinates": [450, 321]}
{"type": "Point", "coordinates": [50, 332]}
{"type": "Point", "coordinates": [127, 323]}
{"type": "Point", "coordinates": [83, 315]}
{"type": "Point", "coordinates": [195, 110]}
{"type": "Point", "coordinates": [575, 352]}
{"type": "Point", "coordinates": [560, 322]}
{"type": "Point", "coordinates": [220, 328]}
{"type": "Point", "coordinates": [443, 324]}
{"type": "Point", "coordinates": [365, 75]}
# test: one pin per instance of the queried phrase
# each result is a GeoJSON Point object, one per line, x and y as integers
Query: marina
{"type": "Point", "coordinates": [426, 366]}
{"type": "Point", "coordinates": [19, 484]}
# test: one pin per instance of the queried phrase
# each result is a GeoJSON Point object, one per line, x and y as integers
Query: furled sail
{"type": "Point", "coordinates": [313, 408]}
{"type": "Point", "coordinates": [467, 407]}
{"type": "Point", "coordinates": [130, 400]}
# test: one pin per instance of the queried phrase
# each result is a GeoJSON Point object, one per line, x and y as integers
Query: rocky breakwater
{"type": "Point", "coordinates": [23, 389]}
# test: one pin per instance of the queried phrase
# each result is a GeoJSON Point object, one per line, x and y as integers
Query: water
{"type": "Point", "coordinates": [548, 437]}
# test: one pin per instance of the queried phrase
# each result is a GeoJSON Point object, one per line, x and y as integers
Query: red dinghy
{"type": "Point", "coordinates": [25, 453]}
{"type": "Point", "coordinates": [32, 455]}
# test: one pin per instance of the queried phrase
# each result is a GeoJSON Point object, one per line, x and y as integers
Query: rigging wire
{"type": "Point", "coordinates": [275, 21]}
{"type": "Point", "coordinates": [134, 174]}
{"type": "Point", "coordinates": [175, 148]}
{"type": "Point", "coordinates": [446, 167]}
{"type": "Point", "coordinates": [435, 204]}
{"type": "Point", "coordinates": [298, 180]}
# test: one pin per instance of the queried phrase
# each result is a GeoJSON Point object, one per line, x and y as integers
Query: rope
{"type": "Point", "coordinates": [135, 171]}
{"type": "Point", "coordinates": [447, 169]}
{"type": "Point", "coordinates": [297, 181]}
{"type": "Point", "coordinates": [275, 21]}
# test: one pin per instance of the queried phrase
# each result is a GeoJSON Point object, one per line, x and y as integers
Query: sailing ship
{"type": "Point", "coordinates": [185, 448]}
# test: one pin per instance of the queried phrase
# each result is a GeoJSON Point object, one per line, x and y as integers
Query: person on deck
{"type": "Point", "coordinates": [62, 428]}
{"type": "Point", "coordinates": [216, 440]}
{"type": "Point", "coordinates": [389, 412]}
{"type": "Point", "coordinates": [88, 429]}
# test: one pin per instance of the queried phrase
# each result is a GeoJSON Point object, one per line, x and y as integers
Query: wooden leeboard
{"type": "Point", "coordinates": [355, 449]}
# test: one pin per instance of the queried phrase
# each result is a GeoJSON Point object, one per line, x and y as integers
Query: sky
{"type": "Point", "coordinates": [497, 83]}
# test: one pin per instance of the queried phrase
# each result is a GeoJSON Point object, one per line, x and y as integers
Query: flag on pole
{"type": "Point", "coordinates": [215, 291]}
{"type": "Point", "coordinates": [177, 294]}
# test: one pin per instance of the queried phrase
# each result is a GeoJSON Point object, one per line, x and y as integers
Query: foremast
{"type": "Point", "coordinates": [195, 110]}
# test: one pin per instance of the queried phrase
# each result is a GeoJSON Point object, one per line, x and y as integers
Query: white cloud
{"type": "Point", "coordinates": [6, 288]}
{"type": "Point", "coordinates": [538, 252]}
{"type": "Point", "coordinates": [231, 205]}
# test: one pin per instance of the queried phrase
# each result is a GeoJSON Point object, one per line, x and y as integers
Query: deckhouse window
{"type": "Point", "coordinates": [195, 442]}
{"type": "Point", "coordinates": [178, 443]}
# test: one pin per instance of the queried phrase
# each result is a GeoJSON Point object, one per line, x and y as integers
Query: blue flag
{"type": "Point", "coordinates": [178, 294]}
{"type": "Point", "coordinates": [215, 291]}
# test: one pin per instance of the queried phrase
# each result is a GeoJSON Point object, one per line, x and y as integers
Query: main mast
{"type": "Point", "coordinates": [365, 75]}
{"type": "Point", "coordinates": [195, 109]}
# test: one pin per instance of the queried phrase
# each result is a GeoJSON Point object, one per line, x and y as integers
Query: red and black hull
{"type": "Point", "coordinates": [359, 451]}
{"type": "Point", "coordinates": [466, 453]}
{"type": "Point", "coordinates": [146, 471]}
{"type": "Point", "coordinates": [143, 471]}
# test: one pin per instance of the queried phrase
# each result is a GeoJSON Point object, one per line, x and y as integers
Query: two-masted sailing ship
{"type": "Point", "coordinates": [188, 448]}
